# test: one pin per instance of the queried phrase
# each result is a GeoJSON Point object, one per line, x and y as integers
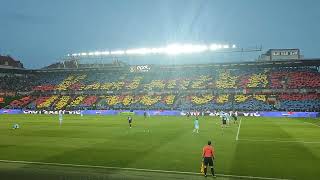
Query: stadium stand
{"type": "Point", "coordinates": [231, 87]}
{"type": "Point", "coordinates": [9, 62]}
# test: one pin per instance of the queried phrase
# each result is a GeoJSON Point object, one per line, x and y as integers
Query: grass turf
{"type": "Point", "coordinates": [267, 147]}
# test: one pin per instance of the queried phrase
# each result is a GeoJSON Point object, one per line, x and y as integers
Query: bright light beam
{"type": "Point", "coordinates": [118, 52]}
{"type": "Point", "coordinates": [171, 49]}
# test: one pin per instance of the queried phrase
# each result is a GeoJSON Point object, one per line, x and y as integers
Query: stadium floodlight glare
{"type": "Point", "coordinates": [171, 49]}
{"type": "Point", "coordinates": [97, 53]}
{"type": "Point", "coordinates": [157, 50]}
{"type": "Point", "coordinates": [140, 51]}
{"type": "Point", "coordinates": [105, 53]}
{"type": "Point", "coordinates": [118, 52]}
{"type": "Point", "coordinates": [199, 48]}
{"type": "Point", "coordinates": [213, 47]}
{"type": "Point", "coordinates": [175, 49]}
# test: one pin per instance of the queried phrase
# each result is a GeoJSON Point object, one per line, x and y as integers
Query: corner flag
{"type": "Point", "coordinates": [202, 167]}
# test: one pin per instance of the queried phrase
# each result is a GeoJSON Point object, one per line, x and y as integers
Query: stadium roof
{"type": "Point", "coordinates": [9, 62]}
{"type": "Point", "coordinates": [252, 64]}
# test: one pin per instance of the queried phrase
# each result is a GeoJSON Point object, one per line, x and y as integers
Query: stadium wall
{"type": "Point", "coordinates": [166, 113]}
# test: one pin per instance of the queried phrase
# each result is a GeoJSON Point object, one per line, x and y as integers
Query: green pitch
{"type": "Point", "coordinates": [266, 147]}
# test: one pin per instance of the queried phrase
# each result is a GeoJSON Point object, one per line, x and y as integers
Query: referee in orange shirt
{"type": "Point", "coordinates": [208, 157]}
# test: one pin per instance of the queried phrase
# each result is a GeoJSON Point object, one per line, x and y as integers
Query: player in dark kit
{"type": "Point", "coordinates": [145, 114]}
{"type": "Point", "coordinates": [235, 117]}
{"type": "Point", "coordinates": [145, 123]}
{"type": "Point", "coordinates": [130, 121]}
{"type": "Point", "coordinates": [188, 115]}
{"type": "Point", "coordinates": [224, 119]}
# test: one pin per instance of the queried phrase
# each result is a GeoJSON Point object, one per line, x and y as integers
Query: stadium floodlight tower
{"type": "Point", "coordinates": [98, 58]}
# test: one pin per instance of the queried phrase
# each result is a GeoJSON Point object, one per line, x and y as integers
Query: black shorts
{"type": "Point", "coordinates": [235, 118]}
{"type": "Point", "coordinates": [224, 121]}
{"type": "Point", "coordinates": [208, 161]}
{"type": "Point", "coordinates": [130, 122]}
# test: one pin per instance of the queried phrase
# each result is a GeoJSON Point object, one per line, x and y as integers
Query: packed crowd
{"type": "Point", "coordinates": [204, 89]}
{"type": "Point", "coordinates": [286, 102]}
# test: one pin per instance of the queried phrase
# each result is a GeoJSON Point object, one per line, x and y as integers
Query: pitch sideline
{"type": "Point", "coordinates": [237, 137]}
{"type": "Point", "coordinates": [312, 124]}
{"type": "Point", "coordinates": [284, 141]}
{"type": "Point", "coordinates": [137, 169]}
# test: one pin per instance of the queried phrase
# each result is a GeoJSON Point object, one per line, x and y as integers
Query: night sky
{"type": "Point", "coordinates": [39, 32]}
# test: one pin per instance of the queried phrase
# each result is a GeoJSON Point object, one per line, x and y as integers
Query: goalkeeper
{"type": "Point", "coordinates": [208, 157]}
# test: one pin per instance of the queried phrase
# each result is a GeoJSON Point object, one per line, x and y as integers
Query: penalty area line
{"type": "Point", "coordinates": [237, 137]}
{"type": "Point", "coordinates": [281, 141]}
{"type": "Point", "coordinates": [312, 124]}
{"type": "Point", "coordinates": [137, 169]}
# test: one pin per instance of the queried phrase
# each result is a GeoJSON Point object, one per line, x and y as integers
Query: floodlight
{"type": "Point", "coordinates": [105, 53]}
{"type": "Point", "coordinates": [171, 49]}
{"type": "Point", "coordinates": [138, 51]}
{"type": "Point", "coordinates": [157, 50]}
{"type": "Point", "coordinates": [199, 48]}
{"type": "Point", "coordinates": [213, 47]}
{"type": "Point", "coordinates": [97, 53]}
{"type": "Point", "coordinates": [119, 52]}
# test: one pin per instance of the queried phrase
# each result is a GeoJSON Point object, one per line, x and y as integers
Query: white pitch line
{"type": "Point", "coordinates": [271, 140]}
{"type": "Point", "coordinates": [237, 137]}
{"type": "Point", "coordinates": [136, 169]}
{"type": "Point", "coordinates": [312, 124]}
